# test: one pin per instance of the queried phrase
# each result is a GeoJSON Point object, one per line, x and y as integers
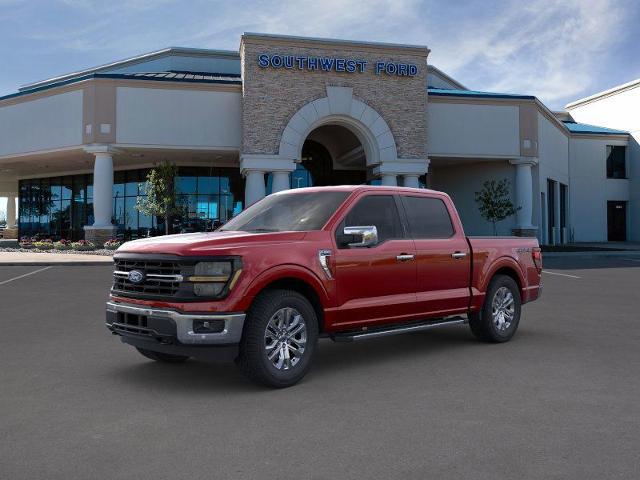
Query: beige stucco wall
{"type": "Point", "coordinates": [178, 117]}
{"type": "Point", "coordinates": [45, 123]}
{"type": "Point", "coordinates": [272, 96]}
{"type": "Point", "coordinates": [460, 129]}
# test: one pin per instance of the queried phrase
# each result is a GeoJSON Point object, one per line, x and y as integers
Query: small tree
{"type": "Point", "coordinates": [494, 202]}
{"type": "Point", "coordinates": [161, 199]}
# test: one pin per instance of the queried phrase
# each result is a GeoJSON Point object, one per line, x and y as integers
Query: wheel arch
{"type": "Point", "coordinates": [296, 278]}
{"type": "Point", "coordinates": [509, 267]}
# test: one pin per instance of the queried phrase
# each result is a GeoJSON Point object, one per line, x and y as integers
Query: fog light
{"type": "Point", "coordinates": [208, 326]}
{"type": "Point", "coordinates": [207, 289]}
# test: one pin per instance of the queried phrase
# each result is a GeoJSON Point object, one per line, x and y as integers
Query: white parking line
{"type": "Point", "coordinates": [25, 275]}
{"type": "Point", "coordinates": [561, 274]}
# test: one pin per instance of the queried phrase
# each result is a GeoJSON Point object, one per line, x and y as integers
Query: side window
{"type": "Point", "coordinates": [378, 210]}
{"type": "Point", "coordinates": [428, 217]}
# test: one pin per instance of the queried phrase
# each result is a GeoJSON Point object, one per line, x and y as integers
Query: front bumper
{"type": "Point", "coordinates": [167, 327]}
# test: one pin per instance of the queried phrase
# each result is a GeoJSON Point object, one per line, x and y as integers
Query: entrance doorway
{"type": "Point", "coordinates": [333, 155]}
{"type": "Point", "coordinates": [617, 221]}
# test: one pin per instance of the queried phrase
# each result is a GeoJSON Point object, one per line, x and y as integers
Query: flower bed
{"type": "Point", "coordinates": [46, 245]}
{"type": "Point", "coordinates": [83, 245]}
{"type": "Point", "coordinates": [112, 244]}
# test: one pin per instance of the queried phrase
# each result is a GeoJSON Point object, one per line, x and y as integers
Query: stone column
{"type": "Point", "coordinates": [11, 212]}
{"type": "Point", "coordinates": [524, 196]}
{"type": "Point", "coordinates": [11, 232]}
{"type": "Point", "coordinates": [409, 169]}
{"type": "Point", "coordinates": [102, 229]}
{"type": "Point", "coordinates": [389, 180]}
{"type": "Point", "coordinates": [254, 165]}
{"type": "Point", "coordinates": [411, 181]}
{"type": "Point", "coordinates": [280, 181]}
{"type": "Point", "coordinates": [254, 187]}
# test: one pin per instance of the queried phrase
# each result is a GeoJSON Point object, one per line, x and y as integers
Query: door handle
{"type": "Point", "coordinates": [457, 255]}
{"type": "Point", "coordinates": [404, 257]}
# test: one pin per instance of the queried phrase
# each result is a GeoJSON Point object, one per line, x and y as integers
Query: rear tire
{"type": "Point", "coordinates": [499, 317]}
{"type": "Point", "coordinates": [162, 357]}
{"type": "Point", "coordinates": [279, 339]}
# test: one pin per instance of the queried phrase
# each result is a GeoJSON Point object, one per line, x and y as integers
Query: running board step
{"type": "Point", "coordinates": [396, 330]}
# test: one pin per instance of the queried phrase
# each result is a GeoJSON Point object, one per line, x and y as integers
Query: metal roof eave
{"type": "Point", "coordinates": [132, 61]}
{"type": "Point", "coordinates": [117, 76]}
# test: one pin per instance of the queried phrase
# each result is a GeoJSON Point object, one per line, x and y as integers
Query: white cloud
{"type": "Point", "coordinates": [547, 48]}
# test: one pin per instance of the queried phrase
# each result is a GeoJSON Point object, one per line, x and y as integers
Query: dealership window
{"type": "Point", "coordinates": [616, 161]}
{"type": "Point", "coordinates": [209, 197]}
{"type": "Point", "coordinates": [59, 207]}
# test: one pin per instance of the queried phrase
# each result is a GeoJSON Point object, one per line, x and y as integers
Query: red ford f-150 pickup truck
{"type": "Point", "coordinates": [348, 263]}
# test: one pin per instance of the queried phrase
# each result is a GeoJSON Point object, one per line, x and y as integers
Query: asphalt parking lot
{"type": "Point", "coordinates": [559, 401]}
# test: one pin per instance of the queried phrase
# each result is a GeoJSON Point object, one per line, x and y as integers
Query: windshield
{"type": "Point", "coordinates": [288, 212]}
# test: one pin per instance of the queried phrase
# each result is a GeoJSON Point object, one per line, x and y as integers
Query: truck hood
{"type": "Point", "coordinates": [204, 243]}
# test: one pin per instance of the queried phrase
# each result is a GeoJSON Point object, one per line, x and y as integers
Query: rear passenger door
{"type": "Point", "coordinates": [443, 256]}
{"type": "Point", "coordinates": [375, 284]}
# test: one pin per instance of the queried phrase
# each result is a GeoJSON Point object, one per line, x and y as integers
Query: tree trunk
{"type": "Point", "coordinates": [495, 229]}
{"type": "Point", "coordinates": [166, 225]}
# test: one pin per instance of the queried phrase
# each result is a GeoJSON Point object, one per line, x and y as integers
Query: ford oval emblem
{"type": "Point", "coordinates": [136, 276]}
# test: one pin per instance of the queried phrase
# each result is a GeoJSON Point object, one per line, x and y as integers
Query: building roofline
{"type": "Point", "coordinates": [605, 93]}
{"type": "Point", "coordinates": [588, 129]}
{"type": "Point", "coordinates": [448, 78]}
{"type": "Point", "coordinates": [336, 41]}
{"type": "Point", "coordinates": [597, 131]}
{"type": "Point", "coordinates": [445, 92]}
{"type": "Point", "coordinates": [121, 76]}
{"type": "Point", "coordinates": [132, 61]}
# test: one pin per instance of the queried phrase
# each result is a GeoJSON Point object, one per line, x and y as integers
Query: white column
{"type": "Point", "coordinates": [103, 189]}
{"type": "Point", "coordinates": [411, 181]}
{"type": "Point", "coordinates": [280, 181]}
{"type": "Point", "coordinates": [11, 212]}
{"type": "Point", "coordinates": [524, 192]}
{"type": "Point", "coordinates": [389, 180]}
{"type": "Point", "coordinates": [254, 187]}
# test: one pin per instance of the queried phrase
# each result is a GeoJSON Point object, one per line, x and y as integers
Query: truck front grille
{"type": "Point", "coordinates": [161, 278]}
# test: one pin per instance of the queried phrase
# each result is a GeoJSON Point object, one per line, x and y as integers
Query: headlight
{"type": "Point", "coordinates": [210, 278]}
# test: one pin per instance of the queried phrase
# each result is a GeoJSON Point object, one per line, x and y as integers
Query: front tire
{"type": "Point", "coordinates": [162, 357]}
{"type": "Point", "coordinates": [279, 339]}
{"type": "Point", "coordinates": [499, 317]}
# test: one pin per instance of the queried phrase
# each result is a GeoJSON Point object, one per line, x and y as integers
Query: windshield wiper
{"type": "Point", "coordinates": [262, 230]}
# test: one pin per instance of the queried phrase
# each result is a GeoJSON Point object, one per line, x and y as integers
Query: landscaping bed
{"type": "Point", "coordinates": [83, 247]}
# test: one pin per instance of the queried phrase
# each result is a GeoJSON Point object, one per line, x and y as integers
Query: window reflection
{"type": "Point", "coordinates": [59, 207]}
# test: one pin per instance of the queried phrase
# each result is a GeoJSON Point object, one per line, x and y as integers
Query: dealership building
{"type": "Point", "coordinates": [288, 112]}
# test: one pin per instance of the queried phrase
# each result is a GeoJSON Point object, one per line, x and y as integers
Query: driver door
{"type": "Point", "coordinates": [375, 284]}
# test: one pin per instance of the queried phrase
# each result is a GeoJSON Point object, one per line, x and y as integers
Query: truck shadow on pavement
{"type": "Point", "coordinates": [332, 360]}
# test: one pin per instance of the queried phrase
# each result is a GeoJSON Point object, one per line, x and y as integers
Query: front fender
{"type": "Point", "coordinates": [280, 272]}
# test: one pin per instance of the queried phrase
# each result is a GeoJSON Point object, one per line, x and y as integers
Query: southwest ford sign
{"type": "Point", "coordinates": [333, 64]}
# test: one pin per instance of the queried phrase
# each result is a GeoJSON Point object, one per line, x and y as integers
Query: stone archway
{"type": "Point", "coordinates": [339, 107]}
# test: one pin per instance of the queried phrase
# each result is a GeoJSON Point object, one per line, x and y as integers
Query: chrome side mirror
{"type": "Point", "coordinates": [361, 236]}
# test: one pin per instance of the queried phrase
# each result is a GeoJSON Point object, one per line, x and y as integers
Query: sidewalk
{"type": "Point", "coordinates": [34, 259]}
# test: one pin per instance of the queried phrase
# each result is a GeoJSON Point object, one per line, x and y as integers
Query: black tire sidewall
{"type": "Point", "coordinates": [487, 313]}
{"type": "Point", "coordinates": [253, 355]}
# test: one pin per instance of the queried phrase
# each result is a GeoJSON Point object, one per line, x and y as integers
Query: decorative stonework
{"type": "Point", "coordinates": [271, 97]}
{"type": "Point", "coordinates": [98, 235]}
{"type": "Point", "coordinates": [524, 232]}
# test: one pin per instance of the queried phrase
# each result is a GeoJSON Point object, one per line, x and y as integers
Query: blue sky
{"type": "Point", "coordinates": [557, 50]}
